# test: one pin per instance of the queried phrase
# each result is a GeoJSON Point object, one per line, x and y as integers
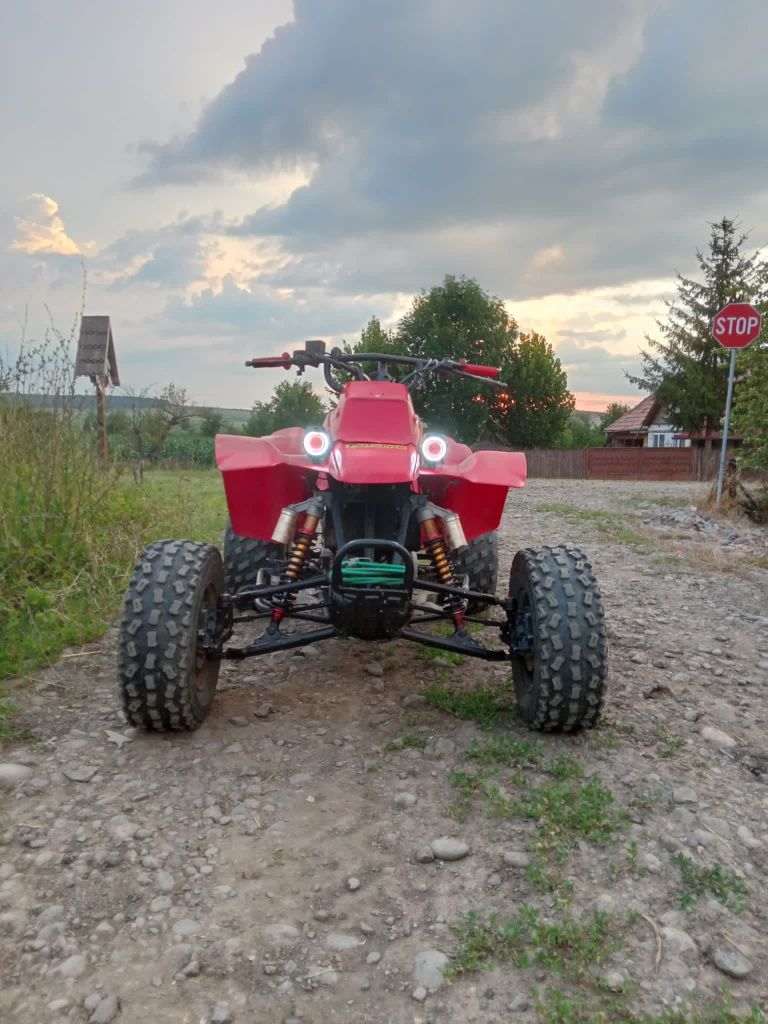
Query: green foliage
{"type": "Point", "coordinates": [596, 1007]}
{"type": "Point", "coordinates": [580, 432]}
{"type": "Point", "coordinates": [724, 885]}
{"type": "Point", "coordinates": [750, 404]}
{"type": "Point", "coordinates": [374, 338]}
{"type": "Point", "coordinates": [538, 408]}
{"type": "Point", "coordinates": [485, 705]}
{"type": "Point", "coordinates": [293, 404]}
{"type": "Point", "coordinates": [567, 945]}
{"type": "Point", "coordinates": [614, 412]}
{"type": "Point", "coordinates": [686, 369]}
{"type": "Point", "coordinates": [457, 320]}
{"type": "Point", "coordinates": [211, 422]}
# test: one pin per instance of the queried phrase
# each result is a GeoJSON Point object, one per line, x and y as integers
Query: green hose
{"type": "Point", "coordinates": [364, 572]}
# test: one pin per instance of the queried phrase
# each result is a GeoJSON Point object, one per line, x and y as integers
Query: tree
{"type": "Point", "coordinates": [374, 338]}
{"type": "Point", "coordinates": [580, 432]}
{"type": "Point", "coordinates": [150, 426]}
{"type": "Point", "coordinates": [211, 422]}
{"type": "Point", "coordinates": [614, 412]}
{"type": "Point", "coordinates": [686, 369]}
{"type": "Point", "coordinates": [750, 403]}
{"type": "Point", "coordinates": [535, 412]}
{"type": "Point", "coordinates": [459, 320]}
{"type": "Point", "coordinates": [293, 404]}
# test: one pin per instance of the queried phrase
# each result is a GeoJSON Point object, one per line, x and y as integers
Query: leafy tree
{"type": "Point", "coordinates": [614, 412]}
{"type": "Point", "coordinates": [535, 412]}
{"type": "Point", "coordinates": [211, 422]}
{"type": "Point", "coordinates": [458, 320]}
{"type": "Point", "coordinates": [374, 338]}
{"type": "Point", "coordinates": [686, 368]}
{"type": "Point", "coordinates": [580, 432]}
{"type": "Point", "coordinates": [750, 403]}
{"type": "Point", "coordinates": [293, 404]}
{"type": "Point", "coordinates": [150, 426]}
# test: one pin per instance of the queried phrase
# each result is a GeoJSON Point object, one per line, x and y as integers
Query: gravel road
{"type": "Point", "coordinates": [308, 854]}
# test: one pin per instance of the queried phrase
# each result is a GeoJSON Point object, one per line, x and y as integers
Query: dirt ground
{"type": "Point", "coordinates": [276, 865]}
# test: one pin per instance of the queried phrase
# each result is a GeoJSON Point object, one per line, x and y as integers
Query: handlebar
{"type": "Point", "coordinates": [346, 362]}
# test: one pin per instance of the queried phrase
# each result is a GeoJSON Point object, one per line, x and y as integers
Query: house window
{"type": "Point", "coordinates": [658, 440]}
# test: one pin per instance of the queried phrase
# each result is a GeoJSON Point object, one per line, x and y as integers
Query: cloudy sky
{"type": "Point", "coordinates": [238, 175]}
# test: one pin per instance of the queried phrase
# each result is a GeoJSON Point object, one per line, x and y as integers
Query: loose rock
{"type": "Point", "coordinates": [446, 848]}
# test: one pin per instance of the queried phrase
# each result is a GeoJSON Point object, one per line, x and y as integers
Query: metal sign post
{"type": "Point", "coordinates": [735, 326]}
{"type": "Point", "coordinates": [726, 425]}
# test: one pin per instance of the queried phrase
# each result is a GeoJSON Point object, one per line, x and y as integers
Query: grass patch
{"type": "Point", "coordinates": [64, 567]}
{"type": "Point", "coordinates": [726, 886]}
{"type": "Point", "coordinates": [487, 706]}
{"type": "Point", "coordinates": [504, 750]}
{"type": "Point", "coordinates": [608, 525]}
{"type": "Point", "coordinates": [567, 946]}
{"type": "Point", "coordinates": [557, 1007]}
{"type": "Point", "coordinates": [408, 741]}
{"type": "Point", "coordinates": [8, 708]}
{"type": "Point", "coordinates": [669, 745]}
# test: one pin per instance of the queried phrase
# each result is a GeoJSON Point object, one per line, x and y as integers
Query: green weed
{"type": "Point", "coordinates": [485, 705]}
{"type": "Point", "coordinates": [669, 744]}
{"type": "Point", "coordinates": [408, 741]}
{"type": "Point", "coordinates": [557, 1007]}
{"type": "Point", "coordinates": [726, 886]}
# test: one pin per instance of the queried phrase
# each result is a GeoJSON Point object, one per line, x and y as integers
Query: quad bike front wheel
{"type": "Point", "coordinates": [166, 679]}
{"type": "Point", "coordinates": [560, 684]}
{"type": "Point", "coordinates": [245, 557]}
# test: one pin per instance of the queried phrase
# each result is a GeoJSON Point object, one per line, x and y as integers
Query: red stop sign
{"type": "Point", "coordinates": [737, 325]}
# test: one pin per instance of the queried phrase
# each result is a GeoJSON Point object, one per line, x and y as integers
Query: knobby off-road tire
{"type": "Point", "coordinates": [480, 563]}
{"type": "Point", "coordinates": [165, 682]}
{"type": "Point", "coordinates": [561, 685]}
{"type": "Point", "coordinates": [245, 557]}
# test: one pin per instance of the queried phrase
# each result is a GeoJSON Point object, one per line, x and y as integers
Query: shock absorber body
{"type": "Point", "coordinates": [302, 542]}
{"type": "Point", "coordinates": [434, 542]}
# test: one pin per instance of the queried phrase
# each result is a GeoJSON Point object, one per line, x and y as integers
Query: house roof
{"type": "Point", "coordinates": [96, 350]}
{"type": "Point", "coordinates": [636, 420]}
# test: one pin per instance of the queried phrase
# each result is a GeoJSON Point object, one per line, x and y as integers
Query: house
{"type": "Point", "coordinates": [645, 426]}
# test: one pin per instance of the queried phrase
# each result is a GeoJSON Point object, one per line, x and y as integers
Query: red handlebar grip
{"type": "Point", "coordinates": [479, 371]}
{"type": "Point", "coordinates": [284, 360]}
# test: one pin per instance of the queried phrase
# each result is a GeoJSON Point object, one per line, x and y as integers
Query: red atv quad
{"type": "Point", "coordinates": [366, 527]}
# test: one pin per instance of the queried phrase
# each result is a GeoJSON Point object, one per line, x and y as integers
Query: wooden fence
{"type": "Point", "coordinates": [623, 463]}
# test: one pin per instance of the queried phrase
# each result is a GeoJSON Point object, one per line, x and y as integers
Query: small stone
{"type": "Point", "coordinates": [651, 863]}
{"type": "Point", "coordinates": [717, 737]}
{"type": "Point", "coordinates": [373, 958]}
{"type": "Point", "coordinates": [221, 1014]}
{"type": "Point", "coordinates": [353, 884]}
{"type": "Point", "coordinates": [424, 855]}
{"type": "Point", "coordinates": [679, 942]}
{"type": "Point", "coordinates": [12, 774]}
{"type": "Point", "coordinates": [164, 881]}
{"type": "Point", "coordinates": [519, 1003]}
{"type": "Point", "coordinates": [80, 773]}
{"type": "Point", "coordinates": [321, 915]}
{"type": "Point", "coordinates": [446, 848]}
{"type": "Point", "coordinates": [160, 904]}
{"type": "Point", "coordinates": [494, 880]}
{"type": "Point", "coordinates": [404, 800]}
{"type": "Point", "coordinates": [299, 778]}
{"type": "Point", "coordinates": [428, 969]}
{"type": "Point", "coordinates": [91, 1002]}
{"type": "Point", "coordinates": [685, 795]}
{"type": "Point", "coordinates": [516, 859]}
{"type": "Point", "coordinates": [614, 981]}
{"type": "Point", "coordinates": [339, 941]}
{"type": "Point", "coordinates": [328, 977]}
{"type": "Point", "coordinates": [373, 668]}
{"type": "Point", "coordinates": [414, 700]}
{"type": "Point", "coordinates": [239, 720]}
{"type": "Point", "coordinates": [106, 1011]}
{"type": "Point", "coordinates": [731, 963]}
{"type": "Point", "coordinates": [281, 934]}
{"type": "Point", "coordinates": [420, 994]}
{"type": "Point", "coordinates": [72, 967]}
{"type": "Point", "coordinates": [186, 927]}
{"type": "Point", "coordinates": [262, 711]}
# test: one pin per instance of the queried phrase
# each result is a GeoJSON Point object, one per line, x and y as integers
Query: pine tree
{"type": "Point", "coordinates": [686, 368]}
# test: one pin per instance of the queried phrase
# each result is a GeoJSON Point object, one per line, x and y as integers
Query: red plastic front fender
{"type": "Point", "coordinates": [476, 488]}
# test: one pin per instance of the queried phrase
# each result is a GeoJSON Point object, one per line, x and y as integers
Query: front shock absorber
{"type": "Point", "coordinates": [302, 542]}
{"type": "Point", "coordinates": [434, 542]}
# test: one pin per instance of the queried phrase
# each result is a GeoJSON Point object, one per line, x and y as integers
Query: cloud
{"type": "Point", "coordinates": [42, 231]}
{"type": "Point", "coordinates": [592, 141]}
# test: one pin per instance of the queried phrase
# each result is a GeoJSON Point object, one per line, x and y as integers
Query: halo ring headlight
{"type": "Point", "coordinates": [434, 448]}
{"type": "Point", "coordinates": [316, 443]}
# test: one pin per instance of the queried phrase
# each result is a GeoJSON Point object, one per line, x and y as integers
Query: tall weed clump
{"type": "Point", "coordinates": [69, 531]}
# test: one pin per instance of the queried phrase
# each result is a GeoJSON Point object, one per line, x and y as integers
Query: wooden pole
{"type": "Point", "coordinates": [101, 420]}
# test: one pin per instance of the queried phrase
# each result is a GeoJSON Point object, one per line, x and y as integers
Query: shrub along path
{"type": "Point", "coordinates": [366, 833]}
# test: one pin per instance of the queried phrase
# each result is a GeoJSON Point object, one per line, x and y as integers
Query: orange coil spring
{"type": "Point", "coordinates": [282, 603]}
